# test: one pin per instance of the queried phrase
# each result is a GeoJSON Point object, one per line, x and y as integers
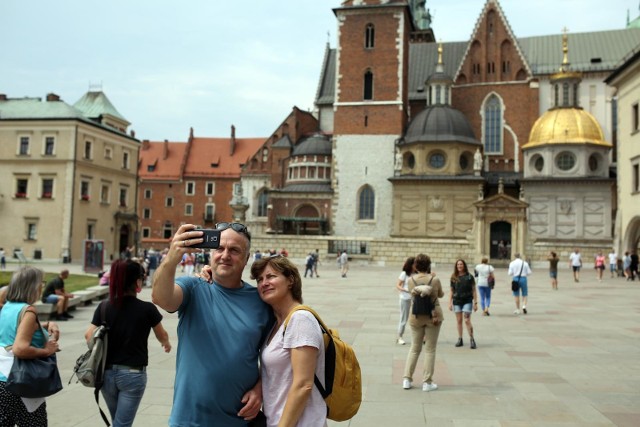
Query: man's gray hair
{"type": "Point", "coordinates": [24, 285]}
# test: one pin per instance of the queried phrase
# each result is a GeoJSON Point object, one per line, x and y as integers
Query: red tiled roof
{"type": "Point", "coordinates": [165, 168]}
{"type": "Point", "coordinates": [214, 156]}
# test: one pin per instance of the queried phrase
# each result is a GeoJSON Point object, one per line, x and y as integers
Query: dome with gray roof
{"type": "Point", "coordinates": [316, 145]}
{"type": "Point", "coordinates": [440, 123]}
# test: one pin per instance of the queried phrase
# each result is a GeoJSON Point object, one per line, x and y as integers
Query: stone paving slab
{"type": "Point", "coordinates": [572, 361]}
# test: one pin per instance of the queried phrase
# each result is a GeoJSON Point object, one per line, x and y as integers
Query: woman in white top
{"type": "Point", "coordinates": [484, 271]}
{"type": "Point", "coordinates": [405, 297]}
{"type": "Point", "coordinates": [290, 358]}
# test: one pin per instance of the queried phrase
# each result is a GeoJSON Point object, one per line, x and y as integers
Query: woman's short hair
{"type": "Point", "coordinates": [423, 263]}
{"type": "Point", "coordinates": [284, 266]}
{"type": "Point", "coordinates": [25, 285]}
{"type": "Point", "coordinates": [484, 260]}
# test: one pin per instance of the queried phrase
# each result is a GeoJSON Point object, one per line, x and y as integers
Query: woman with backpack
{"type": "Point", "coordinates": [425, 328]}
{"type": "Point", "coordinates": [130, 321]}
{"type": "Point", "coordinates": [463, 299]}
{"type": "Point", "coordinates": [293, 354]}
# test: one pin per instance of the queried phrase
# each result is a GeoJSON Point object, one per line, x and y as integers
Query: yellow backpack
{"type": "Point", "coordinates": [343, 381]}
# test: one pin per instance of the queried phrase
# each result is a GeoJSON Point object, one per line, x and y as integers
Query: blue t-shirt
{"type": "Point", "coordinates": [220, 332]}
{"type": "Point", "coordinates": [9, 328]}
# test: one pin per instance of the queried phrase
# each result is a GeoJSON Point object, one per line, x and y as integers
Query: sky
{"type": "Point", "coordinates": [168, 66]}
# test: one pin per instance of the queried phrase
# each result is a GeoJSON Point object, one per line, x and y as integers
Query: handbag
{"type": "Point", "coordinates": [33, 378]}
{"type": "Point", "coordinates": [515, 284]}
{"type": "Point", "coordinates": [491, 281]}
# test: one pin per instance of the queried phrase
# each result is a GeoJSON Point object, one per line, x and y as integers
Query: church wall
{"type": "Point", "coordinates": [383, 251]}
{"type": "Point", "coordinates": [434, 209]}
{"type": "Point", "coordinates": [360, 160]}
{"type": "Point", "coordinates": [325, 119]}
{"type": "Point", "coordinates": [520, 112]}
{"type": "Point", "coordinates": [570, 211]}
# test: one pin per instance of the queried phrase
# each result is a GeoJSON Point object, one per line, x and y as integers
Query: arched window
{"type": "Point", "coordinates": [366, 203]}
{"type": "Point", "coordinates": [493, 126]}
{"type": "Point", "coordinates": [262, 202]}
{"type": "Point", "coordinates": [368, 85]}
{"type": "Point", "coordinates": [369, 37]}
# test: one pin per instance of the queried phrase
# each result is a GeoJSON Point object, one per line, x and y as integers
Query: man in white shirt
{"type": "Point", "coordinates": [519, 270]}
{"type": "Point", "coordinates": [613, 262]}
{"type": "Point", "coordinates": [575, 262]}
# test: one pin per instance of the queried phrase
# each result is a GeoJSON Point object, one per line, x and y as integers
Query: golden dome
{"type": "Point", "coordinates": [566, 126]}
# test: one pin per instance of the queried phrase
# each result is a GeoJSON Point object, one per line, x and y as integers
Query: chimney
{"type": "Point", "coordinates": [133, 133]}
{"type": "Point", "coordinates": [52, 97]}
{"type": "Point", "coordinates": [165, 150]}
{"type": "Point", "coordinates": [3, 97]}
{"type": "Point", "coordinates": [145, 144]}
{"type": "Point", "coordinates": [233, 140]}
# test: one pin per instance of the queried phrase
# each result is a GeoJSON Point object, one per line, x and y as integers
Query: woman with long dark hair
{"type": "Point", "coordinates": [130, 321]}
{"type": "Point", "coordinates": [463, 299]}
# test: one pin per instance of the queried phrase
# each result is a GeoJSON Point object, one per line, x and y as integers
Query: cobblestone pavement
{"type": "Point", "coordinates": [571, 361]}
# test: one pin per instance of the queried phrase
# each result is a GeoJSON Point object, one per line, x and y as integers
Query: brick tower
{"type": "Point", "coordinates": [370, 111]}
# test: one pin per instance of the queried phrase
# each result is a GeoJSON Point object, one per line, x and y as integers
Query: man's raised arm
{"type": "Point", "coordinates": [165, 292]}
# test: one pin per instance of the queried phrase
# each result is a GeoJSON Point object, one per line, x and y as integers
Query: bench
{"type": "Point", "coordinates": [81, 298]}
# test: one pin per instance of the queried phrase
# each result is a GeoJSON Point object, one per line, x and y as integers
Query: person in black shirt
{"type": "Point", "coordinates": [130, 321]}
{"type": "Point", "coordinates": [463, 299]}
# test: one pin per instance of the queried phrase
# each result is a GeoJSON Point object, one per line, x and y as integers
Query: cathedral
{"type": "Point", "coordinates": [488, 146]}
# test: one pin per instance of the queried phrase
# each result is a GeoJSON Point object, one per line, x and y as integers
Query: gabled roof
{"type": "Point", "coordinates": [543, 55]}
{"type": "Point", "coordinates": [215, 157]}
{"type": "Point", "coordinates": [164, 165]}
{"type": "Point", "coordinates": [488, 5]}
{"type": "Point", "coordinates": [95, 104]}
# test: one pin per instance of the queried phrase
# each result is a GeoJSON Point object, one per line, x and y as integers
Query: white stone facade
{"type": "Point", "coordinates": [362, 160]}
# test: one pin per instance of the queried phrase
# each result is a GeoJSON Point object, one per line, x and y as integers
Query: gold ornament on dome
{"type": "Point", "coordinates": [566, 126]}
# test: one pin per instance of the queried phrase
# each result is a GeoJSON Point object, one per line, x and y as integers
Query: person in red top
{"type": "Point", "coordinates": [599, 265]}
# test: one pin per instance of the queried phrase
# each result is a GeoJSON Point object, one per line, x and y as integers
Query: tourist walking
{"type": "Point", "coordinates": [463, 300]}
{"type": "Point", "coordinates": [21, 330]}
{"type": "Point", "coordinates": [425, 328]}
{"type": "Point", "coordinates": [613, 263]}
{"type": "Point", "coordinates": [633, 267]}
{"type": "Point", "coordinates": [486, 279]}
{"type": "Point", "coordinates": [553, 269]}
{"type": "Point", "coordinates": [130, 321]}
{"type": "Point", "coordinates": [519, 270]}
{"type": "Point", "coordinates": [575, 263]}
{"type": "Point", "coordinates": [343, 261]}
{"type": "Point", "coordinates": [598, 264]}
{"type": "Point", "coordinates": [626, 265]}
{"type": "Point", "coordinates": [405, 296]}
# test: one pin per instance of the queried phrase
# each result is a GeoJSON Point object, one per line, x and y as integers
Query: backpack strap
{"type": "Point", "coordinates": [330, 352]}
{"type": "Point", "coordinates": [96, 390]}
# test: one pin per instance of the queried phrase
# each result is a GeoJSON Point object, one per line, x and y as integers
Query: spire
{"type": "Point", "coordinates": [439, 83]}
{"type": "Point", "coordinates": [566, 83]}
{"type": "Point", "coordinates": [565, 51]}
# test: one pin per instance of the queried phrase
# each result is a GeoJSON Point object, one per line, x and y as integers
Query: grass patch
{"type": "Point", "coordinates": [75, 282]}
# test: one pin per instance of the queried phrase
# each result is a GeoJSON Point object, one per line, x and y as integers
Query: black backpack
{"type": "Point", "coordinates": [422, 305]}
